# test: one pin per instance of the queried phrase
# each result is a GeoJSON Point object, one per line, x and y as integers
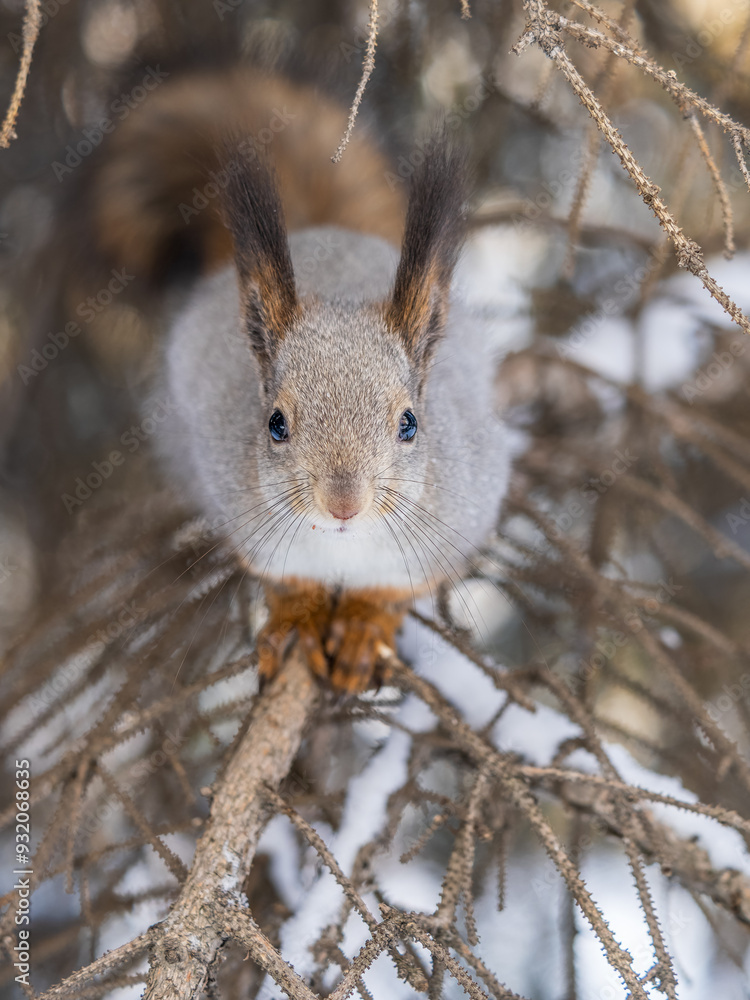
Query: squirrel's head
{"type": "Point", "coordinates": [343, 383]}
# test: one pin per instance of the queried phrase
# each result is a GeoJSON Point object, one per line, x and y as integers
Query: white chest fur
{"type": "Point", "coordinates": [361, 556]}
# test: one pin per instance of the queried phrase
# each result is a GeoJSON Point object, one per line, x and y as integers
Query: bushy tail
{"type": "Point", "coordinates": [153, 193]}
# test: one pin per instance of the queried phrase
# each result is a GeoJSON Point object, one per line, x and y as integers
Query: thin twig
{"type": "Point", "coordinates": [32, 24]}
{"type": "Point", "coordinates": [544, 28]}
{"type": "Point", "coordinates": [367, 67]}
{"type": "Point", "coordinates": [100, 968]}
{"type": "Point", "coordinates": [718, 181]}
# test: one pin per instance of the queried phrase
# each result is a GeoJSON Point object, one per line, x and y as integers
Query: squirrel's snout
{"type": "Point", "coordinates": [343, 497]}
{"type": "Point", "coordinates": [343, 511]}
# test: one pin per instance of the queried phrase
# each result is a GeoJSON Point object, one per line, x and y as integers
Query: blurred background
{"type": "Point", "coordinates": [621, 566]}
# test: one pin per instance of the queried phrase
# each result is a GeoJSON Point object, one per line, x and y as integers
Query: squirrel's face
{"type": "Point", "coordinates": [342, 383]}
{"type": "Point", "coordinates": [343, 433]}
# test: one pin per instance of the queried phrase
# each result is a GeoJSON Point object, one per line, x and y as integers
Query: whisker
{"type": "Point", "coordinates": [261, 576]}
{"type": "Point", "coordinates": [249, 565]}
{"type": "Point", "coordinates": [303, 515]}
{"type": "Point", "coordinates": [434, 517]}
{"type": "Point", "coordinates": [296, 518]}
{"type": "Point", "coordinates": [452, 572]}
{"type": "Point", "coordinates": [403, 515]}
{"type": "Point", "coordinates": [276, 502]}
{"type": "Point", "coordinates": [276, 522]}
{"type": "Point", "coordinates": [254, 489]}
{"type": "Point", "coordinates": [481, 574]}
{"type": "Point", "coordinates": [199, 625]}
{"type": "Point", "coordinates": [437, 486]}
{"type": "Point", "coordinates": [309, 474]}
{"type": "Point", "coordinates": [173, 555]}
{"type": "Point", "coordinates": [272, 525]}
{"type": "Point", "coordinates": [388, 525]}
{"type": "Point", "coordinates": [403, 556]}
{"type": "Point", "coordinates": [401, 523]}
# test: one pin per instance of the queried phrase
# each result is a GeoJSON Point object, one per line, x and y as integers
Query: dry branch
{"type": "Point", "coordinates": [545, 29]}
{"type": "Point", "coordinates": [718, 182]}
{"type": "Point", "coordinates": [186, 945]}
{"type": "Point", "coordinates": [612, 593]}
{"type": "Point", "coordinates": [32, 24]}
{"type": "Point", "coordinates": [101, 969]}
{"type": "Point", "coordinates": [605, 85]}
{"type": "Point", "coordinates": [683, 860]}
{"type": "Point", "coordinates": [368, 66]}
{"type": "Point", "coordinates": [517, 793]}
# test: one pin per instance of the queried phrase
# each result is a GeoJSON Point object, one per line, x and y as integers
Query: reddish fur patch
{"type": "Point", "coordinates": [421, 304]}
{"type": "Point", "coordinates": [342, 636]}
{"type": "Point", "coordinates": [432, 239]}
{"type": "Point", "coordinates": [161, 155]}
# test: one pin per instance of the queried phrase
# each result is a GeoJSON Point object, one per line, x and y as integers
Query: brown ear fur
{"type": "Point", "coordinates": [432, 241]}
{"type": "Point", "coordinates": [254, 216]}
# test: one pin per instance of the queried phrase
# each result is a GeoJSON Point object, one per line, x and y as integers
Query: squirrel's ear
{"type": "Point", "coordinates": [432, 240]}
{"type": "Point", "coordinates": [254, 216]}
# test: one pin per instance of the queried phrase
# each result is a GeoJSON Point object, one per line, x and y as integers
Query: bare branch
{"type": "Point", "coordinates": [367, 67]}
{"type": "Point", "coordinates": [32, 24]}
{"type": "Point", "coordinates": [186, 945]}
{"type": "Point", "coordinates": [545, 28]}
{"type": "Point", "coordinates": [101, 968]}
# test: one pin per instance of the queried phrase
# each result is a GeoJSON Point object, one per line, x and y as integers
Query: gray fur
{"type": "Point", "coordinates": [344, 379]}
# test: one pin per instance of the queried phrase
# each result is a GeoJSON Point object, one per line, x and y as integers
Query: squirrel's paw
{"type": "Point", "coordinates": [299, 614]}
{"type": "Point", "coordinates": [360, 636]}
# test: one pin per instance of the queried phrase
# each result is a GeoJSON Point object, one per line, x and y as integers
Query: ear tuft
{"type": "Point", "coordinates": [254, 216]}
{"type": "Point", "coordinates": [432, 241]}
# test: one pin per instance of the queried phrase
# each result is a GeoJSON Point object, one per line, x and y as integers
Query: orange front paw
{"type": "Point", "coordinates": [293, 613]}
{"type": "Point", "coordinates": [345, 640]}
{"type": "Point", "coordinates": [360, 636]}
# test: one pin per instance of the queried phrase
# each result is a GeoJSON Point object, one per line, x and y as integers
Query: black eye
{"type": "Point", "coordinates": [407, 426]}
{"type": "Point", "coordinates": [277, 426]}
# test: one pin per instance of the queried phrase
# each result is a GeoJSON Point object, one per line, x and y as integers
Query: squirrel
{"type": "Point", "coordinates": [333, 403]}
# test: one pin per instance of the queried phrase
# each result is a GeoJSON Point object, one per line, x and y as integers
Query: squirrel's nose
{"type": "Point", "coordinates": [344, 495]}
{"type": "Point", "coordinates": [343, 511]}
